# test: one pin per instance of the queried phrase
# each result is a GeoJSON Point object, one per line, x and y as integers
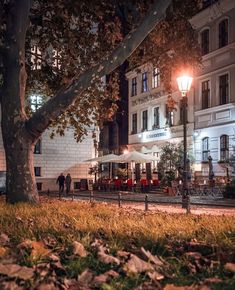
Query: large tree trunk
{"type": "Point", "coordinates": [18, 143]}
{"type": "Point", "coordinates": [20, 179]}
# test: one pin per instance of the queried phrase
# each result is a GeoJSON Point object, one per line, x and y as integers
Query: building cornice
{"type": "Point", "coordinates": [205, 16]}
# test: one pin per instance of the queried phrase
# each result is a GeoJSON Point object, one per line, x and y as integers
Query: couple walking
{"type": "Point", "coordinates": [61, 180]}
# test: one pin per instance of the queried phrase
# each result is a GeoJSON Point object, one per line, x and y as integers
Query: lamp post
{"type": "Point", "coordinates": [184, 85]}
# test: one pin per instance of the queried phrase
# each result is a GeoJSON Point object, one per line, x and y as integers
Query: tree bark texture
{"type": "Point", "coordinates": [18, 144]}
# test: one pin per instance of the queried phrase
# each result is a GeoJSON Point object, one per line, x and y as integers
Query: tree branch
{"type": "Point", "coordinates": [60, 102]}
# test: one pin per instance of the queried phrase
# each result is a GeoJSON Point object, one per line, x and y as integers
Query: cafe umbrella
{"type": "Point", "coordinates": [134, 157]}
{"type": "Point", "coordinates": [104, 159]}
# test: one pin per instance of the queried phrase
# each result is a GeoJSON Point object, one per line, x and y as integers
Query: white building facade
{"type": "Point", "coordinates": [151, 124]}
{"type": "Point", "coordinates": [62, 154]}
{"type": "Point", "coordinates": [215, 88]}
{"type": "Point", "coordinates": [211, 101]}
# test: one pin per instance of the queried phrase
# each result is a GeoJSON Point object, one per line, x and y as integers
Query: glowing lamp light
{"type": "Point", "coordinates": [125, 151]}
{"type": "Point", "coordinates": [184, 84]}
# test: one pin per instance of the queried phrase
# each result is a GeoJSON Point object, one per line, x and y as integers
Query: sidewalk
{"type": "Point", "coordinates": [196, 210]}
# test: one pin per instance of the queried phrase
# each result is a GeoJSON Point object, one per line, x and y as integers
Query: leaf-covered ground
{"type": "Point", "coordinates": [78, 245]}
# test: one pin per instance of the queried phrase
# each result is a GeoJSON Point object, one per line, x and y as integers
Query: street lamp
{"type": "Point", "coordinates": [184, 85]}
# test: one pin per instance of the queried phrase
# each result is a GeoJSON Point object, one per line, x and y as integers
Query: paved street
{"type": "Point", "coordinates": [157, 198]}
{"type": "Point", "coordinates": [160, 203]}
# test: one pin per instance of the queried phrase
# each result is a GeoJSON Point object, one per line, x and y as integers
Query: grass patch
{"type": "Point", "coordinates": [171, 236]}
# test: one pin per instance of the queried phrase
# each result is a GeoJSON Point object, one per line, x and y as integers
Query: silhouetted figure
{"type": "Point", "coordinates": [60, 181]}
{"type": "Point", "coordinates": [68, 181]}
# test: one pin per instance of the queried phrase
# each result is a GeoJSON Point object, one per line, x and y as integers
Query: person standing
{"type": "Point", "coordinates": [68, 181]}
{"type": "Point", "coordinates": [60, 181]}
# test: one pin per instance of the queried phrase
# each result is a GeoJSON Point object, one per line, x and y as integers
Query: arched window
{"type": "Point", "coordinates": [38, 147]}
{"type": "Point", "coordinates": [223, 33]}
{"type": "Point", "coordinates": [205, 44]}
{"type": "Point", "coordinates": [205, 149]}
{"type": "Point", "coordinates": [224, 147]}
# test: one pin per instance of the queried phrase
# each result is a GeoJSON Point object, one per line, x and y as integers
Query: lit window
{"type": "Point", "coordinates": [205, 94]}
{"type": "Point", "coordinates": [156, 78]}
{"type": "Point", "coordinates": [36, 57]}
{"type": "Point", "coordinates": [145, 120]}
{"type": "Point", "coordinates": [134, 123]}
{"type": "Point", "coordinates": [37, 171]}
{"type": "Point", "coordinates": [156, 117]}
{"type": "Point", "coordinates": [37, 147]}
{"type": "Point", "coordinates": [134, 87]}
{"type": "Point", "coordinates": [35, 102]}
{"type": "Point", "coordinates": [144, 82]}
{"type": "Point", "coordinates": [169, 117]}
{"type": "Point", "coordinates": [205, 149]}
{"type": "Point", "coordinates": [223, 33]}
{"type": "Point", "coordinates": [224, 147]}
{"type": "Point", "coordinates": [223, 89]}
{"type": "Point", "coordinates": [205, 41]}
{"type": "Point", "coordinates": [56, 59]}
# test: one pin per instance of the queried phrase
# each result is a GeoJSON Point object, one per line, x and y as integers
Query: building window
{"type": "Point", "coordinates": [37, 171]}
{"type": "Point", "coordinates": [134, 87]}
{"type": "Point", "coordinates": [39, 186]}
{"type": "Point", "coordinates": [205, 149]}
{"type": "Point", "coordinates": [205, 35]}
{"type": "Point", "coordinates": [156, 78]}
{"type": "Point", "coordinates": [134, 123]}
{"type": "Point", "coordinates": [144, 82]}
{"type": "Point", "coordinates": [145, 120]}
{"type": "Point", "coordinates": [156, 118]}
{"type": "Point", "coordinates": [36, 57]}
{"type": "Point", "coordinates": [77, 185]}
{"type": "Point", "coordinates": [169, 117]}
{"type": "Point", "coordinates": [223, 89]}
{"type": "Point", "coordinates": [224, 147]}
{"type": "Point", "coordinates": [37, 147]}
{"type": "Point", "coordinates": [223, 33]}
{"type": "Point", "coordinates": [35, 102]}
{"type": "Point", "coordinates": [56, 59]}
{"type": "Point", "coordinates": [205, 94]}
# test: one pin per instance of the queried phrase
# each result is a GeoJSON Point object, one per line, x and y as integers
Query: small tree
{"type": "Point", "coordinates": [170, 165]}
{"type": "Point", "coordinates": [170, 161]}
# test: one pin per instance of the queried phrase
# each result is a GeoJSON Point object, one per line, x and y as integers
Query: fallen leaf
{"type": "Point", "coordinates": [38, 251]}
{"type": "Point", "coordinates": [54, 258]}
{"type": "Point", "coordinates": [11, 285]}
{"type": "Point", "coordinates": [112, 273]}
{"type": "Point", "coordinates": [230, 267]}
{"type": "Point", "coordinates": [78, 249]}
{"type": "Point", "coordinates": [103, 278]}
{"type": "Point", "coordinates": [152, 258]}
{"type": "Point", "coordinates": [148, 286]}
{"type": "Point", "coordinates": [17, 271]}
{"type": "Point", "coordinates": [4, 239]}
{"type": "Point", "coordinates": [107, 259]}
{"type": "Point", "coordinates": [99, 280]}
{"type": "Point", "coordinates": [26, 244]}
{"type": "Point", "coordinates": [3, 252]}
{"type": "Point", "coordinates": [86, 277]}
{"type": "Point", "coordinates": [45, 286]}
{"type": "Point", "coordinates": [173, 287]}
{"type": "Point", "coordinates": [156, 276]}
{"type": "Point", "coordinates": [194, 255]}
{"type": "Point", "coordinates": [136, 265]}
{"type": "Point", "coordinates": [123, 254]}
